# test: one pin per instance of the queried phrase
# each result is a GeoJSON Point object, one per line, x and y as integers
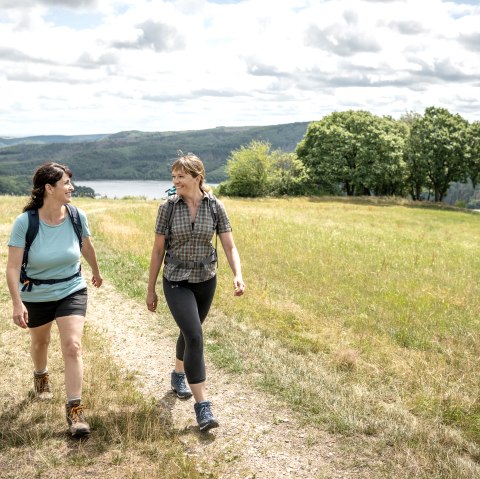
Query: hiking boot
{"type": "Point", "coordinates": [205, 417]}
{"type": "Point", "coordinates": [41, 386]}
{"type": "Point", "coordinates": [179, 385]}
{"type": "Point", "coordinates": [75, 418]}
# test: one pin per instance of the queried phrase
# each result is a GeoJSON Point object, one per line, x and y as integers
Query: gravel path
{"type": "Point", "coordinates": [257, 438]}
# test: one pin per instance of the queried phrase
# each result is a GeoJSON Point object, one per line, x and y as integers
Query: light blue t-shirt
{"type": "Point", "coordinates": [54, 254]}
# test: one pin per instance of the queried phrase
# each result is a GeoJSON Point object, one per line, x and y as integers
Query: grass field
{"type": "Point", "coordinates": [362, 315]}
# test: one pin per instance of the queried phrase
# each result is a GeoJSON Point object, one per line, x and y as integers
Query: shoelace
{"type": "Point", "coordinates": [41, 384]}
{"type": "Point", "coordinates": [76, 413]}
{"type": "Point", "coordinates": [204, 412]}
{"type": "Point", "coordinates": [180, 383]}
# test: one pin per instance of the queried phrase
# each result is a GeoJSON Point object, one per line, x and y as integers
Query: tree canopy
{"type": "Point", "coordinates": [438, 141]}
{"type": "Point", "coordinates": [355, 152]}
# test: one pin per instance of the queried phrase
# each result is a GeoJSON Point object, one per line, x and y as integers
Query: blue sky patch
{"type": "Point", "coordinates": [63, 17]}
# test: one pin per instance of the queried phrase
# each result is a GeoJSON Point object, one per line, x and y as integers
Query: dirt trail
{"type": "Point", "coordinates": [258, 438]}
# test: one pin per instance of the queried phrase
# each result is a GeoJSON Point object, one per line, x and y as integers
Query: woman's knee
{"type": "Point", "coordinates": [194, 341]}
{"type": "Point", "coordinates": [40, 343]}
{"type": "Point", "coordinates": [72, 348]}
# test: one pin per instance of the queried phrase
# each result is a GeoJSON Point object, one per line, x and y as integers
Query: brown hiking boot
{"type": "Point", "coordinates": [76, 420]}
{"type": "Point", "coordinates": [41, 386]}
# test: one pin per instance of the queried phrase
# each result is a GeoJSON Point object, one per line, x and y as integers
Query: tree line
{"type": "Point", "coordinates": [134, 155]}
{"type": "Point", "coordinates": [358, 153]}
{"type": "Point", "coordinates": [345, 153]}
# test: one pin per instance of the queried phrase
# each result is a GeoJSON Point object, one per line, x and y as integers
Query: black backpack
{"type": "Point", "coordinates": [32, 231]}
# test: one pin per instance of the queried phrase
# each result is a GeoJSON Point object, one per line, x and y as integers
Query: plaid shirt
{"type": "Point", "coordinates": [191, 241]}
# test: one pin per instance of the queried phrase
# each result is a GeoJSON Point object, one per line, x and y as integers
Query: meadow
{"type": "Point", "coordinates": [361, 314]}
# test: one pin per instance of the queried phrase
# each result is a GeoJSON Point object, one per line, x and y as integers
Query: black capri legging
{"type": "Point", "coordinates": [189, 304]}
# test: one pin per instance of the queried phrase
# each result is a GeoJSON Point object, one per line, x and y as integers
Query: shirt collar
{"type": "Point", "coordinates": [178, 197]}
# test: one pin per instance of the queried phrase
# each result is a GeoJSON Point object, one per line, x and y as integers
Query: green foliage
{"type": "Point", "coordinates": [254, 170]}
{"type": "Point", "coordinates": [140, 155]}
{"type": "Point", "coordinates": [84, 191]}
{"type": "Point", "coordinates": [416, 169]}
{"type": "Point", "coordinates": [355, 152]}
{"type": "Point", "coordinates": [247, 170]}
{"type": "Point", "coordinates": [473, 152]}
{"type": "Point", "coordinates": [438, 142]}
{"type": "Point", "coordinates": [287, 175]}
{"type": "Point", "coordinates": [14, 185]}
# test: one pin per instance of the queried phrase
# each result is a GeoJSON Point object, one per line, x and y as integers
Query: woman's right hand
{"type": "Point", "coordinates": [20, 315]}
{"type": "Point", "coordinates": [152, 301]}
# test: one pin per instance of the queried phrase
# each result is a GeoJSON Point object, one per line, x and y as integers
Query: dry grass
{"type": "Point", "coordinates": [128, 440]}
{"type": "Point", "coordinates": [362, 315]}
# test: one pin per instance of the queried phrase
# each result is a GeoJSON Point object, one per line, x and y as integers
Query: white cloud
{"type": "Point", "coordinates": [91, 66]}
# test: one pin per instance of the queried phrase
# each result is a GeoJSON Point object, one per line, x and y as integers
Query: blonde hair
{"type": "Point", "coordinates": [191, 165]}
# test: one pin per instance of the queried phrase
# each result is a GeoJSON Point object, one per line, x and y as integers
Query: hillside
{"type": "Point", "coordinates": [141, 155]}
{"type": "Point", "coordinates": [45, 139]}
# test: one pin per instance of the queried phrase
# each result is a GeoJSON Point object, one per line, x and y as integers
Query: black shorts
{"type": "Point", "coordinates": [74, 304]}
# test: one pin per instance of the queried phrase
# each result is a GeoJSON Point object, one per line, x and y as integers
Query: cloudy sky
{"type": "Point", "coordinates": [103, 66]}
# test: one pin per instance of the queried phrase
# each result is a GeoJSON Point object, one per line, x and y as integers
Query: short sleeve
{"type": "Point", "coordinates": [85, 225]}
{"type": "Point", "coordinates": [20, 226]}
{"type": "Point", "coordinates": [161, 223]}
{"type": "Point", "coordinates": [223, 220]}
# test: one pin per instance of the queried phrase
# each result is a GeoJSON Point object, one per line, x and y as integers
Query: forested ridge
{"type": "Point", "coordinates": [434, 156]}
{"type": "Point", "coordinates": [135, 154]}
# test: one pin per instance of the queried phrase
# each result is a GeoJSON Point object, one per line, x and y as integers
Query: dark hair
{"type": "Point", "coordinates": [46, 174]}
{"type": "Point", "coordinates": [192, 165]}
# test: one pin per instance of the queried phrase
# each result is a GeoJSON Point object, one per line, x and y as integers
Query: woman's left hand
{"type": "Point", "coordinates": [238, 286]}
{"type": "Point", "coordinates": [97, 280]}
{"type": "Point", "coordinates": [20, 316]}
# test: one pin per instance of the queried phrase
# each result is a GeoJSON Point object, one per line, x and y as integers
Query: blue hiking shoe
{"type": "Point", "coordinates": [179, 385]}
{"type": "Point", "coordinates": [205, 417]}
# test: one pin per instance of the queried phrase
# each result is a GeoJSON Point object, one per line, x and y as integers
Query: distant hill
{"type": "Point", "coordinates": [45, 139]}
{"type": "Point", "coordinates": [140, 155]}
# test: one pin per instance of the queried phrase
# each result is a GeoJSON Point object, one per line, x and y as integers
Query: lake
{"type": "Point", "coordinates": [152, 190]}
{"type": "Point", "coordinates": [120, 188]}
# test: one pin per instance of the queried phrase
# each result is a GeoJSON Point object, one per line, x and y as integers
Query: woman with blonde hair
{"type": "Point", "coordinates": [184, 229]}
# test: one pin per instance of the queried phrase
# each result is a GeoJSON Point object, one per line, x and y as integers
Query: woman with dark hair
{"type": "Point", "coordinates": [52, 286]}
{"type": "Point", "coordinates": [184, 229]}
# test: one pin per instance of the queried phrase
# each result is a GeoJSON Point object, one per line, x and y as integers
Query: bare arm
{"type": "Point", "coordinates": [14, 263]}
{"type": "Point", "coordinates": [233, 258]}
{"type": "Point", "coordinates": [156, 260]}
{"type": "Point", "coordinates": [88, 252]}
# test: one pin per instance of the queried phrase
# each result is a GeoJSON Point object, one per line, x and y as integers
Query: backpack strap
{"type": "Point", "coordinates": [32, 231]}
{"type": "Point", "coordinates": [212, 203]}
{"type": "Point", "coordinates": [170, 212]}
{"type": "Point", "coordinates": [76, 222]}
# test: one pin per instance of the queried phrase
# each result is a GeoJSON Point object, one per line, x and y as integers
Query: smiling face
{"type": "Point", "coordinates": [185, 183]}
{"type": "Point", "coordinates": [190, 167]}
{"type": "Point", "coordinates": [62, 190]}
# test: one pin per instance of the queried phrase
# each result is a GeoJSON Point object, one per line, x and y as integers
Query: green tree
{"type": "Point", "coordinates": [83, 191]}
{"type": "Point", "coordinates": [416, 168]}
{"type": "Point", "coordinates": [356, 152]}
{"type": "Point", "coordinates": [15, 185]}
{"type": "Point", "coordinates": [473, 153]}
{"type": "Point", "coordinates": [287, 175]}
{"type": "Point", "coordinates": [439, 141]}
{"type": "Point", "coordinates": [385, 171]}
{"type": "Point", "coordinates": [247, 170]}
